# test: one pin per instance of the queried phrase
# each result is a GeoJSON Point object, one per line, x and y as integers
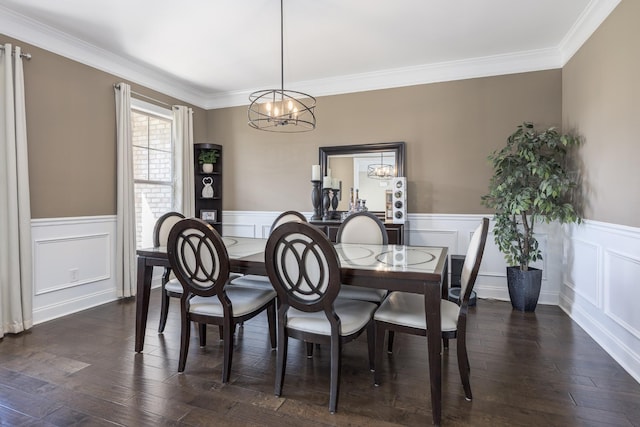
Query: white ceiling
{"type": "Point", "coordinates": [213, 53]}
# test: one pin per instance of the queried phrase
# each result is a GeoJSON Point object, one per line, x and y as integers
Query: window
{"type": "Point", "coordinates": [153, 165]}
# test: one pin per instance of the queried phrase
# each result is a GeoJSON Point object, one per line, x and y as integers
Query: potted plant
{"type": "Point", "coordinates": [207, 158]}
{"type": "Point", "coordinates": [530, 184]}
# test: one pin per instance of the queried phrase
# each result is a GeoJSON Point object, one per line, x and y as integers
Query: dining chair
{"type": "Point", "coordinates": [169, 289]}
{"type": "Point", "coordinates": [405, 312]}
{"type": "Point", "coordinates": [200, 262]}
{"type": "Point", "coordinates": [362, 228]}
{"type": "Point", "coordinates": [262, 282]}
{"type": "Point", "coordinates": [304, 268]}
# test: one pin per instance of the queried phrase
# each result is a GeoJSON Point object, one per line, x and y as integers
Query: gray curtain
{"type": "Point", "coordinates": [16, 286]}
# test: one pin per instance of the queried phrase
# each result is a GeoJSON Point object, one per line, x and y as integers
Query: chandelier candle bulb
{"type": "Point", "coordinates": [315, 173]}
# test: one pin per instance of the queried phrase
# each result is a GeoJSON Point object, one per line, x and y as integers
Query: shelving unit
{"type": "Point", "coordinates": [211, 206]}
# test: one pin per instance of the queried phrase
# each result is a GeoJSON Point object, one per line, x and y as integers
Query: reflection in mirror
{"type": "Point", "coordinates": [353, 171]}
{"type": "Point", "coordinates": [358, 167]}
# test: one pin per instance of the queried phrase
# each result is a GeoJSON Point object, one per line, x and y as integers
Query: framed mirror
{"type": "Point", "coordinates": [365, 168]}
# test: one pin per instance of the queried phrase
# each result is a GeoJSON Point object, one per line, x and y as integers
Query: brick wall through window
{"type": "Point", "coordinates": [153, 172]}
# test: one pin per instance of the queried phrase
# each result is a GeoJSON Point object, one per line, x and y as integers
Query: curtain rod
{"type": "Point", "coordinates": [117, 86]}
{"type": "Point", "coordinates": [25, 55]}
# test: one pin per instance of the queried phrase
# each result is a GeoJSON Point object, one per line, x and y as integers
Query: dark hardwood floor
{"type": "Point", "coordinates": [526, 370]}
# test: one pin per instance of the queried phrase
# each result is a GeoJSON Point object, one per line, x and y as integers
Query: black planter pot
{"type": "Point", "coordinates": [524, 287]}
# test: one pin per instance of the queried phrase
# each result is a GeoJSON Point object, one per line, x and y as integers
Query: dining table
{"type": "Point", "coordinates": [416, 269]}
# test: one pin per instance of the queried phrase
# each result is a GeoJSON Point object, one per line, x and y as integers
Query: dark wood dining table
{"type": "Point", "coordinates": [416, 269]}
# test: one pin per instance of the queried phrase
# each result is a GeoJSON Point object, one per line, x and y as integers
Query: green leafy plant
{"type": "Point", "coordinates": [208, 156]}
{"type": "Point", "coordinates": [530, 183]}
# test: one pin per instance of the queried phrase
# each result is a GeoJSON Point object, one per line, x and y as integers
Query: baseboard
{"type": "Point", "coordinates": [72, 305]}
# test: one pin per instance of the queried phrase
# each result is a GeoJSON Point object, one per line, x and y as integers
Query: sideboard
{"type": "Point", "coordinates": [396, 232]}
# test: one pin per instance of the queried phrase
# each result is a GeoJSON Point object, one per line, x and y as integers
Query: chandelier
{"type": "Point", "coordinates": [381, 170]}
{"type": "Point", "coordinates": [280, 110]}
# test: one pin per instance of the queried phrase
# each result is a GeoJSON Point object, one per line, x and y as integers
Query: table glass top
{"type": "Point", "coordinates": [389, 257]}
{"type": "Point", "coordinates": [358, 256]}
{"type": "Point", "coordinates": [240, 247]}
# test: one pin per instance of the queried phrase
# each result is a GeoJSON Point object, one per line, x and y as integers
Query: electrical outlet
{"type": "Point", "coordinates": [73, 274]}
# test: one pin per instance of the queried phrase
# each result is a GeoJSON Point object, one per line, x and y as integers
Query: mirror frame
{"type": "Point", "coordinates": [397, 148]}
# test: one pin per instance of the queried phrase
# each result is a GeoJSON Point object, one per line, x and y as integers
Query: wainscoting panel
{"type": "Point", "coordinates": [250, 223]}
{"type": "Point", "coordinates": [621, 278]}
{"type": "Point", "coordinates": [429, 237]}
{"type": "Point", "coordinates": [72, 261]}
{"type": "Point", "coordinates": [583, 272]}
{"type": "Point", "coordinates": [73, 265]}
{"type": "Point", "coordinates": [601, 290]}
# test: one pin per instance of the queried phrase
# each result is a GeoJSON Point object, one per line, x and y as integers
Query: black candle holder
{"type": "Point", "coordinates": [326, 204]}
{"type": "Point", "coordinates": [334, 203]}
{"type": "Point", "coordinates": [316, 200]}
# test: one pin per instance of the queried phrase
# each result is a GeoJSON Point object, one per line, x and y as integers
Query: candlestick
{"type": "Point", "coordinates": [316, 200]}
{"type": "Point", "coordinates": [334, 203]}
{"type": "Point", "coordinates": [326, 203]}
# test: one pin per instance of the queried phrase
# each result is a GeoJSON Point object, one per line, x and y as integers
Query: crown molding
{"type": "Point", "coordinates": [33, 32]}
{"type": "Point", "coordinates": [588, 22]}
{"type": "Point", "coordinates": [520, 62]}
{"type": "Point", "coordinates": [43, 36]}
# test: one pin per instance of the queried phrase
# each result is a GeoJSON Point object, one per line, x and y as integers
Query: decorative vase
{"type": "Point", "coordinates": [524, 287]}
{"type": "Point", "coordinates": [207, 167]}
{"type": "Point", "coordinates": [207, 190]}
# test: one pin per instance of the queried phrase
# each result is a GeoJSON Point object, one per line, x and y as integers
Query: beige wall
{"type": "Point", "coordinates": [601, 96]}
{"type": "Point", "coordinates": [71, 134]}
{"type": "Point", "coordinates": [449, 129]}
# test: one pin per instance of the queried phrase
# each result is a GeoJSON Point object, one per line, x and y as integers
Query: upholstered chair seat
{"type": "Point", "coordinates": [354, 316]}
{"type": "Point", "coordinates": [405, 309]}
{"type": "Point", "coordinates": [173, 286]}
{"type": "Point", "coordinates": [362, 294]}
{"type": "Point", "coordinates": [252, 281]}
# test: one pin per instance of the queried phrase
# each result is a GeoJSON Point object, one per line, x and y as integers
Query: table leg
{"type": "Point", "coordinates": [432, 309]}
{"type": "Point", "coordinates": [445, 279]}
{"type": "Point", "coordinates": [145, 273]}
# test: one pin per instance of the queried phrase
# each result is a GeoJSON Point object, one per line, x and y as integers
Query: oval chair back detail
{"type": "Point", "coordinates": [405, 312]}
{"type": "Point", "coordinates": [201, 264]}
{"type": "Point", "coordinates": [362, 227]}
{"type": "Point", "coordinates": [287, 216]}
{"type": "Point", "coordinates": [256, 281]}
{"type": "Point", "coordinates": [160, 236]}
{"type": "Point", "coordinates": [304, 268]}
{"type": "Point", "coordinates": [163, 227]}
